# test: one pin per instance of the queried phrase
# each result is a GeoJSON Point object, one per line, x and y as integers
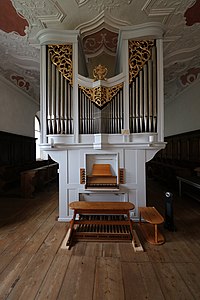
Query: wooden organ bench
{"type": "Point", "coordinates": [102, 221]}
{"type": "Point", "coordinates": [150, 229]}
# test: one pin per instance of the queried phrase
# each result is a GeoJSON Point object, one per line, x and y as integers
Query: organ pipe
{"type": "Point", "coordinates": [53, 100]}
{"type": "Point", "coordinates": [137, 104]}
{"type": "Point", "coordinates": [59, 101]}
{"type": "Point", "coordinates": [57, 104]}
{"type": "Point", "coordinates": [93, 120]}
{"type": "Point", "coordinates": [49, 97]}
{"type": "Point", "coordinates": [142, 103]}
{"type": "Point", "coordinates": [61, 105]}
{"type": "Point", "coordinates": [154, 89]}
{"type": "Point", "coordinates": [143, 97]}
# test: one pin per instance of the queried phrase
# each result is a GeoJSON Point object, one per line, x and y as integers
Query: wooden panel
{"type": "Point", "coordinates": [180, 157]}
{"type": "Point", "coordinates": [171, 282]}
{"type": "Point", "coordinates": [16, 149]}
{"type": "Point", "coordinates": [190, 274]}
{"type": "Point", "coordinates": [82, 176]}
{"type": "Point", "coordinates": [101, 170]}
{"type": "Point", "coordinates": [79, 279]}
{"type": "Point", "coordinates": [53, 281]}
{"type": "Point", "coordinates": [108, 280]}
{"type": "Point", "coordinates": [142, 277]}
{"type": "Point", "coordinates": [122, 176]}
{"type": "Point", "coordinates": [151, 215]}
{"type": "Point", "coordinates": [102, 206]}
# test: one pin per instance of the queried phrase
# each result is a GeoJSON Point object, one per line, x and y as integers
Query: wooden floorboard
{"type": "Point", "coordinates": [33, 265]}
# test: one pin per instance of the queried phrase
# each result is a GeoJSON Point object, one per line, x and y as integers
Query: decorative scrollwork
{"type": "Point", "coordinates": [61, 56]}
{"type": "Point", "coordinates": [101, 95]}
{"type": "Point", "coordinates": [139, 54]}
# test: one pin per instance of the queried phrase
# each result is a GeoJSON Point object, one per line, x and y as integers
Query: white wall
{"type": "Point", "coordinates": [17, 110]}
{"type": "Point", "coordinates": [183, 114]}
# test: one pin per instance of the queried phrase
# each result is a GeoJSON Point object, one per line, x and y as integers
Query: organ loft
{"type": "Point", "coordinates": [101, 126]}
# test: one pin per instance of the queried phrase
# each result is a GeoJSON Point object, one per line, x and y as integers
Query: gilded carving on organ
{"type": "Point", "coordinates": [61, 56]}
{"type": "Point", "coordinates": [101, 95]}
{"type": "Point", "coordinates": [139, 53]}
{"type": "Point", "coordinates": [100, 72]}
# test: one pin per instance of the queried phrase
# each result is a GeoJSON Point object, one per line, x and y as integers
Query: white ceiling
{"type": "Point", "coordinates": [20, 54]}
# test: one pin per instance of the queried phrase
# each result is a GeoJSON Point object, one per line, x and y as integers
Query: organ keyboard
{"type": "Point", "coordinates": [101, 177]}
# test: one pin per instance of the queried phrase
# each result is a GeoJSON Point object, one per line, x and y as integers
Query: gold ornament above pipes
{"type": "Point", "coordinates": [100, 72]}
{"type": "Point", "coordinates": [61, 56]}
{"type": "Point", "coordinates": [101, 95]}
{"type": "Point", "coordinates": [139, 54]}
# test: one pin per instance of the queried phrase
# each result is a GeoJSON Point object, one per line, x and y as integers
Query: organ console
{"type": "Point", "coordinates": [102, 178]}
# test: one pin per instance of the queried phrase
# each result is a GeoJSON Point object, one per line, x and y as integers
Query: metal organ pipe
{"type": "Point", "coordinates": [49, 97]}
{"type": "Point", "coordinates": [80, 112]}
{"type": "Point", "coordinates": [141, 115]}
{"type": "Point", "coordinates": [121, 110]}
{"type": "Point", "coordinates": [150, 93]}
{"type": "Point", "coordinates": [137, 104]}
{"type": "Point", "coordinates": [93, 120]}
{"type": "Point", "coordinates": [69, 109]}
{"type": "Point", "coordinates": [65, 107]}
{"type": "Point", "coordinates": [117, 113]}
{"type": "Point", "coordinates": [145, 99]}
{"type": "Point", "coordinates": [154, 89]}
{"type": "Point", "coordinates": [62, 130]}
{"type": "Point", "coordinates": [53, 100]}
{"type": "Point", "coordinates": [57, 104]}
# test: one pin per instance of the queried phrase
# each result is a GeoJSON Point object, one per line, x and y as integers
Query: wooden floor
{"type": "Point", "coordinates": [33, 265]}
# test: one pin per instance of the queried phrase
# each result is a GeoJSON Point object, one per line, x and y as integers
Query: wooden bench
{"type": "Point", "coordinates": [191, 181]}
{"type": "Point", "coordinates": [36, 179]}
{"type": "Point", "coordinates": [150, 229]}
{"type": "Point", "coordinates": [102, 221]}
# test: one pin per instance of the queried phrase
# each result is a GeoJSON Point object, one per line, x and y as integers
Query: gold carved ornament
{"type": "Point", "coordinates": [61, 57]}
{"type": "Point", "coordinates": [101, 95]}
{"type": "Point", "coordinates": [100, 72]}
{"type": "Point", "coordinates": [139, 53]}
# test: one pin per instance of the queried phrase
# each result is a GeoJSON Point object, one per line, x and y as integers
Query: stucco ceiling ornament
{"type": "Point", "coordinates": [22, 59]}
{"type": "Point", "coordinates": [160, 7]}
{"type": "Point", "coordinates": [81, 2]}
{"type": "Point", "coordinates": [103, 5]}
{"type": "Point", "coordinates": [39, 13]}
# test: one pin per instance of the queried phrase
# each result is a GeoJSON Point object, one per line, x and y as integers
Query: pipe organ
{"type": "Point", "coordinates": [113, 125]}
